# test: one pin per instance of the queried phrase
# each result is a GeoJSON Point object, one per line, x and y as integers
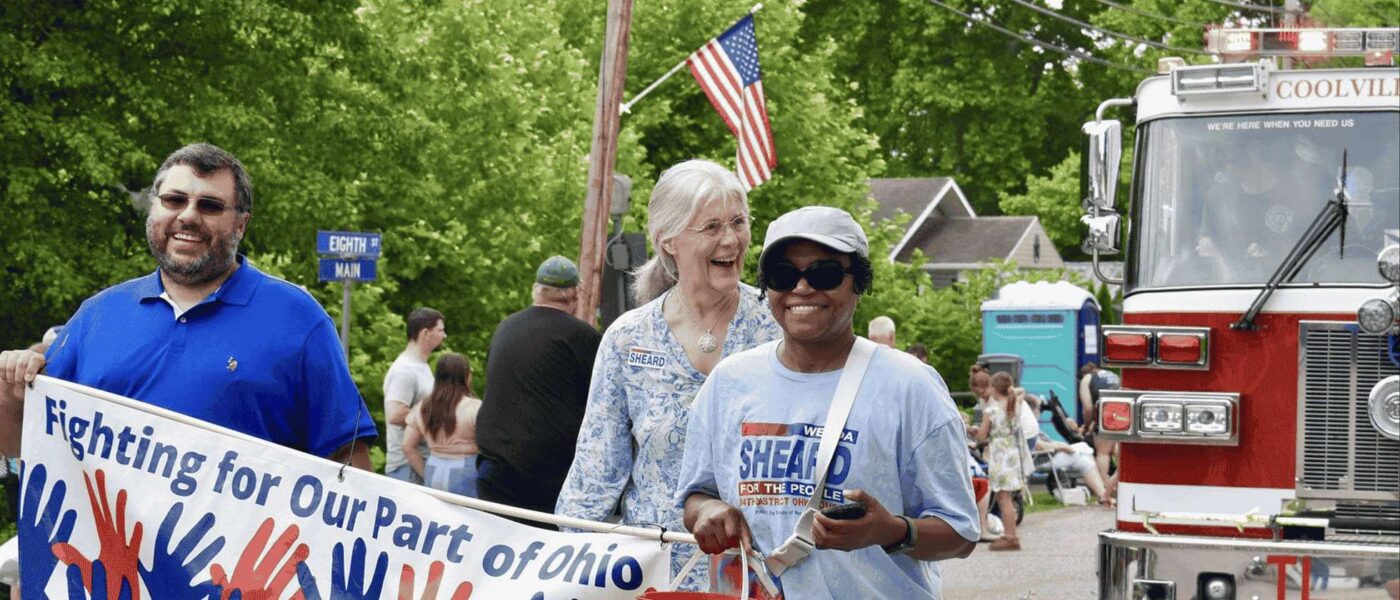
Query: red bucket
{"type": "Point", "coordinates": [685, 570]}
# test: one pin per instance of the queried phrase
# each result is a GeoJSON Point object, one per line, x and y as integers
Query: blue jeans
{"type": "Point", "coordinates": [405, 473]}
{"type": "Point", "coordinates": [456, 475]}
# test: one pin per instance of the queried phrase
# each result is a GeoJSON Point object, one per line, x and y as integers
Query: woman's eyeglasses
{"type": "Point", "coordinates": [206, 206]}
{"type": "Point", "coordinates": [715, 228]}
{"type": "Point", "coordinates": [820, 275]}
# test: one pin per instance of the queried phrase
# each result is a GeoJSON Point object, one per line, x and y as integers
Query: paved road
{"type": "Point", "coordinates": [1056, 562]}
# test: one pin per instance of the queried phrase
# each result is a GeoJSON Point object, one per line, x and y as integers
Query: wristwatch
{"type": "Point", "coordinates": [905, 544]}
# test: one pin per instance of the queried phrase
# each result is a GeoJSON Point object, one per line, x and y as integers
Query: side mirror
{"type": "Point", "coordinates": [1103, 233]}
{"type": "Point", "coordinates": [1105, 154]}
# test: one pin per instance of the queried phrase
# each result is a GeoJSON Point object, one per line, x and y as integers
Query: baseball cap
{"type": "Point", "coordinates": [825, 225]}
{"type": "Point", "coordinates": [557, 271]}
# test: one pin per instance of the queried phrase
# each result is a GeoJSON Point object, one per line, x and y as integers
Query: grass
{"type": "Point", "coordinates": [1044, 502]}
{"type": "Point", "coordinates": [8, 526]}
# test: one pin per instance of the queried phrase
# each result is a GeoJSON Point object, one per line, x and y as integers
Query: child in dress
{"type": "Point", "coordinates": [1006, 456]}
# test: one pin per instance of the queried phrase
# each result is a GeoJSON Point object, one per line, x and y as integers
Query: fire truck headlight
{"type": "Point", "coordinates": [1384, 407]}
{"type": "Point", "coordinates": [1389, 263]}
{"type": "Point", "coordinates": [1376, 316]}
{"type": "Point", "coordinates": [1158, 417]}
{"type": "Point", "coordinates": [1208, 419]}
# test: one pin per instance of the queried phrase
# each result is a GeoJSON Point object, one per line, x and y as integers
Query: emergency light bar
{"type": "Point", "coordinates": [1220, 79]}
{"type": "Point", "coordinates": [1303, 42]}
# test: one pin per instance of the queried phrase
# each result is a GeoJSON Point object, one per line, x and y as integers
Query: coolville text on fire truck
{"type": "Point", "coordinates": [1259, 419]}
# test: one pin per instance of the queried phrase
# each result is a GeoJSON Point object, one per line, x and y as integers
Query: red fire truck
{"type": "Point", "coordinates": [1259, 420]}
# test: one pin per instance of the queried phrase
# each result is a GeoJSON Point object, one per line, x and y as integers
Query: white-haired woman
{"type": "Point", "coordinates": [653, 359]}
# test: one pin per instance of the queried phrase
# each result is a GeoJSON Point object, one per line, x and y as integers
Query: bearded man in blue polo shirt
{"type": "Point", "coordinates": [208, 335]}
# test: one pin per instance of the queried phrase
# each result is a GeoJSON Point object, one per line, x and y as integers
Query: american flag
{"type": "Point", "coordinates": [727, 69]}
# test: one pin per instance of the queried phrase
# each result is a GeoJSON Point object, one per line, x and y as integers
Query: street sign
{"type": "Point", "coordinates": [348, 244]}
{"type": "Point", "coordinates": [347, 257]}
{"type": "Point", "coordinates": [353, 269]}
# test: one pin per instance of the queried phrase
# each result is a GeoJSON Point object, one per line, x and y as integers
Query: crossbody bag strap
{"type": "Point", "coordinates": [846, 388]}
{"type": "Point", "coordinates": [800, 543]}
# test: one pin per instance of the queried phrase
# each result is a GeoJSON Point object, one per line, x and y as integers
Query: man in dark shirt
{"type": "Point", "coordinates": [537, 375]}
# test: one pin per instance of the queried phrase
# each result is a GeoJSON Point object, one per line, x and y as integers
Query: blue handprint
{"type": "Point", "coordinates": [172, 572]}
{"type": "Point", "coordinates": [77, 591]}
{"type": "Point", "coordinates": [346, 585]}
{"type": "Point", "coordinates": [40, 530]}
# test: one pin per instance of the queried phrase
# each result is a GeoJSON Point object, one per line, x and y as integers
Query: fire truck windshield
{"type": "Point", "coordinates": [1222, 199]}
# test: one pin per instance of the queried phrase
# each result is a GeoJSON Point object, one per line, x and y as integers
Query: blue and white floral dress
{"type": "Point", "coordinates": [633, 432]}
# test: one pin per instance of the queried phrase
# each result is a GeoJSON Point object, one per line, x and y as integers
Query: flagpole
{"type": "Point", "coordinates": [626, 107]}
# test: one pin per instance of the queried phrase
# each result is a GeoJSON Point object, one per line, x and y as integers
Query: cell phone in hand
{"type": "Point", "coordinates": [845, 512]}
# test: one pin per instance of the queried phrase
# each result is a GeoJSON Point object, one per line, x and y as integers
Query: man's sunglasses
{"type": "Point", "coordinates": [820, 275]}
{"type": "Point", "coordinates": [205, 206]}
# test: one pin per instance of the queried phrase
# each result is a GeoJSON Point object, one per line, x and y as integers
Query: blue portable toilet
{"type": "Point", "coordinates": [1054, 328]}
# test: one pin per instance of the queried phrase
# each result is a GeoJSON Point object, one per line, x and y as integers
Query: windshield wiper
{"type": "Point", "coordinates": [1332, 217]}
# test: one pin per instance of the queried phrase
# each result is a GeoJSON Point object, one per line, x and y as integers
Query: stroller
{"type": "Point", "coordinates": [1066, 487]}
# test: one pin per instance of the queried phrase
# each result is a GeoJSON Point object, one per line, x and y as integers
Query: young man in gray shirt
{"type": "Point", "coordinates": [408, 382]}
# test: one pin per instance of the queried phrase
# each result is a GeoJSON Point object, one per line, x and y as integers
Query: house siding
{"type": "Point", "coordinates": [1024, 252]}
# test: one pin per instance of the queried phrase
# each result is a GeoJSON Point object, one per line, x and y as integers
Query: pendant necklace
{"type": "Point", "coordinates": [707, 342]}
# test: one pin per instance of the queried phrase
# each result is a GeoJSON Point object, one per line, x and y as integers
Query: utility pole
{"type": "Point", "coordinates": [1291, 10]}
{"type": "Point", "coordinates": [612, 75]}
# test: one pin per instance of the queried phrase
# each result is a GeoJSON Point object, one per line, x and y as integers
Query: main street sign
{"type": "Point", "coordinates": [353, 269]}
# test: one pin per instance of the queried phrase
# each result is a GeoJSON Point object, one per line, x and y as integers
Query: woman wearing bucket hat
{"type": "Point", "coordinates": [823, 418]}
{"type": "Point", "coordinates": [653, 359]}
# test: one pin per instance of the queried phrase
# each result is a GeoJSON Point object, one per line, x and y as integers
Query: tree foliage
{"type": "Point", "coordinates": [950, 97]}
{"type": "Point", "coordinates": [461, 132]}
{"type": "Point", "coordinates": [1055, 199]}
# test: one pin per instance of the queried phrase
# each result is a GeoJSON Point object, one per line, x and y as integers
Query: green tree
{"type": "Point", "coordinates": [824, 155]}
{"type": "Point", "coordinates": [99, 93]}
{"type": "Point", "coordinates": [1356, 13]}
{"type": "Point", "coordinates": [1055, 199]}
{"type": "Point", "coordinates": [949, 97]}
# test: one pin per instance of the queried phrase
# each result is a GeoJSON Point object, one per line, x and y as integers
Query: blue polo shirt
{"type": "Point", "coordinates": [259, 356]}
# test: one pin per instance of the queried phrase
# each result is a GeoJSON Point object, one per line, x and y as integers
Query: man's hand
{"type": "Point", "coordinates": [17, 367]}
{"type": "Point", "coordinates": [717, 526]}
{"type": "Point", "coordinates": [877, 528]}
{"type": "Point", "coordinates": [20, 366]}
{"type": "Point", "coordinates": [356, 453]}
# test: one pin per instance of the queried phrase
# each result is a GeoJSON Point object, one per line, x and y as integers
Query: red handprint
{"type": "Point", "coordinates": [117, 554]}
{"type": "Point", "coordinates": [463, 592]}
{"type": "Point", "coordinates": [263, 580]}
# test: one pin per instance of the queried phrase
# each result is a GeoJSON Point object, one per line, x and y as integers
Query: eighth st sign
{"type": "Point", "coordinates": [348, 244]}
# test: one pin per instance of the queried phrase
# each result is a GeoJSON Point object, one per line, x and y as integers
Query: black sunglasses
{"type": "Point", "coordinates": [821, 275]}
{"type": "Point", "coordinates": [205, 206]}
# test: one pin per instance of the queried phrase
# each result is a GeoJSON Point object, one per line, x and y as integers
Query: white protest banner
{"type": "Point", "coordinates": [125, 500]}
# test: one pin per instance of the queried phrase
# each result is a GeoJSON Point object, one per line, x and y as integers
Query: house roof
{"type": "Point", "coordinates": [964, 240]}
{"type": "Point", "coordinates": [909, 195]}
{"type": "Point", "coordinates": [927, 199]}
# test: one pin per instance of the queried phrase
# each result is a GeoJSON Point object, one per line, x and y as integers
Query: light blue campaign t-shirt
{"type": "Point", "coordinates": [752, 441]}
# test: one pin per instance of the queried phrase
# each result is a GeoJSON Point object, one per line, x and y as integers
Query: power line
{"type": "Point", "coordinates": [1089, 26]}
{"type": "Point", "coordinates": [1045, 45]}
{"type": "Point", "coordinates": [1253, 7]}
{"type": "Point", "coordinates": [1150, 15]}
